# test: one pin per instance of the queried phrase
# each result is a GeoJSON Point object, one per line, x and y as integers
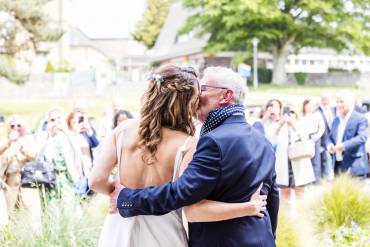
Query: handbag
{"type": "Point", "coordinates": [301, 149]}
{"type": "Point", "coordinates": [37, 173]}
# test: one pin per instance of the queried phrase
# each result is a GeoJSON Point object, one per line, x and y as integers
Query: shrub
{"type": "Point", "coordinates": [9, 70]}
{"type": "Point", "coordinates": [286, 235]}
{"type": "Point", "coordinates": [351, 236]}
{"type": "Point", "coordinates": [337, 70]}
{"type": "Point", "coordinates": [64, 223]}
{"type": "Point", "coordinates": [49, 68]}
{"type": "Point", "coordinates": [300, 78]}
{"type": "Point", "coordinates": [343, 202]}
{"type": "Point", "coordinates": [155, 64]}
{"type": "Point", "coordinates": [65, 67]}
{"type": "Point", "coordinates": [264, 75]}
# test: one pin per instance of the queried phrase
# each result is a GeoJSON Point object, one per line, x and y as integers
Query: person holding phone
{"type": "Point", "coordinates": [58, 147]}
{"type": "Point", "coordinates": [277, 120]}
{"type": "Point", "coordinates": [15, 151]}
{"type": "Point", "coordinates": [84, 140]}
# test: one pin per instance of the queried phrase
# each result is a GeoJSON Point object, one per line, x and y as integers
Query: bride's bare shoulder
{"type": "Point", "coordinates": [127, 125]}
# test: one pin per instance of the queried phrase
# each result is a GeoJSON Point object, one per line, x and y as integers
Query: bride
{"type": "Point", "coordinates": [153, 150]}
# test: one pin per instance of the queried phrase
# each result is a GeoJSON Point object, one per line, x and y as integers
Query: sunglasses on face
{"type": "Point", "coordinates": [203, 88]}
{"type": "Point", "coordinates": [54, 119]}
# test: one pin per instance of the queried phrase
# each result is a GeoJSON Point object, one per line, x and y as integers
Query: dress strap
{"type": "Point", "coordinates": [119, 141]}
{"type": "Point", "coordinates": [179, 158]}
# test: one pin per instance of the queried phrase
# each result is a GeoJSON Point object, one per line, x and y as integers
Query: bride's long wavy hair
{"type": "Point", "coordinates": [167, 103]}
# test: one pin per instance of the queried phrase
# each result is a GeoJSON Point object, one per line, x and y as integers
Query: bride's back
{"type": "Point", "coordinates": [133, 171]}
{"type": "Point", "coordinates": [147, 155]}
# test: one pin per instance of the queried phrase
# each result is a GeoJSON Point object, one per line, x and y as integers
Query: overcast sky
{"type": "Point", "coordinates": [106, 18]}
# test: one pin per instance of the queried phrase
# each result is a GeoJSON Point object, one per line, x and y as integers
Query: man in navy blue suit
{"type": "Point", "coordinates": [348, 137]}
{"type": "Point", "coordinates": [231, 160]}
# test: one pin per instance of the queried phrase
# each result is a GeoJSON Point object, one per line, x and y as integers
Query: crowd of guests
{"type": "Point", "coordinates": [338, 134]}
{"type": "Point", "coordinates": [68, 142]}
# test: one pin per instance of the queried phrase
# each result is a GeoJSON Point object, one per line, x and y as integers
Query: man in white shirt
{"type": "Point", "coordinates": [348, 136]}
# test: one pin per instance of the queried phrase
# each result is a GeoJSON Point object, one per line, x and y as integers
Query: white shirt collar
{"type": "Point", "coordinates": [348, 115]}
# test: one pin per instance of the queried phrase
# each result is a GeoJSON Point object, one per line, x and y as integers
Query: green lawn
{"type": "Point", "coordinates": [33, 109]}
{"type": "Point", "coordinates": [303, 90]}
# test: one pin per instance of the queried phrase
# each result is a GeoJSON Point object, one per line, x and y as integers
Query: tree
{"type": "Point", "coordinates": [282, 26]}
{"type": "Point", "coordinates": [23, 26]}
{"type": "Point", "coordinates": [149, 27]}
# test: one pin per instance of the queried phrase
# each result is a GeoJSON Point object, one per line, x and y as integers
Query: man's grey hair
{"type": "Point", "coordinates": [347, 96]}
{"type": "Point", "coordinates": [225, 77]}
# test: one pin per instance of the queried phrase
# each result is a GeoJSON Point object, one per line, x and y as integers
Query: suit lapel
{"type": "Point", "coordinates": [324, 117]}
{"type": "Point", "coordinates": [349, 123]}
{"type": "Point", "coordinates": [335, 129]}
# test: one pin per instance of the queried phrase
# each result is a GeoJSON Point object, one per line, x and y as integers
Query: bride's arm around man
{"type": "Point", "coordinates": [230, 162]}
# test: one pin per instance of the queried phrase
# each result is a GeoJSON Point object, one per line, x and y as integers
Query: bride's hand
{"type": "Point", "coordinates": [114, 196]}
{"type": "Point", "coordinates": [257, 203]}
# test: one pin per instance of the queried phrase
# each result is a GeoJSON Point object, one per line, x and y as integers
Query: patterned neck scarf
{"type": "Point", "coordinates": [217, 116]}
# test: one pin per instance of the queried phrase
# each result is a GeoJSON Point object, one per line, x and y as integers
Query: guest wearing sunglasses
{"type": "Point", "coordinates": [15, 151]}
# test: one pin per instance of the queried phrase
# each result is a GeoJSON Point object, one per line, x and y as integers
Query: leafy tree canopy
{"type": "Point", "coordinates": [281, 25]}
{"type": "Point", "coordinates": [149, 27]}
{"type": "Point", "coordinates": [23, 25]}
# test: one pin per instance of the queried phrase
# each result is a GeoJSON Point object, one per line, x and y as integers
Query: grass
{"type": "Point", "coordinates": [67, 223]}
{"type": "Point", "coordinates": [286, 233]}
{"type": "Point", "coordinates": [71, 223]}
{"type": "Point", "coordinates": [343, 202]}
{"type": "Point", "coordinates": [302, 90]}
{"type": "Point", "coordinates": [334, 214]}
{"type": "Point", "coordinates": [32, 109]}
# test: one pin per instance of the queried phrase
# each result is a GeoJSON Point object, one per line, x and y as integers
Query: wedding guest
{"type": "Point", "coordinates": [276, 131]}
{"type": "Point", "coordinates": [328, 114]}
{"type": "Point", "coordinates": [348, 137]}
{"type": "Point", "coordinates": [60, 151]}
{"type": "Point", "coordinates": [312, 127]}
{"type": "Point", "coordinates": [121, 116]}
{"type": "Point", "coordinates": [15, 150]}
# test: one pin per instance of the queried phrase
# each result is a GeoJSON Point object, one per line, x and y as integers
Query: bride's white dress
{"type": "Point", "coordinates": [146, 230]}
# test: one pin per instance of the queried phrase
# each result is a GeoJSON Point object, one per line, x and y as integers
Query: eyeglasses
{"type": "Point", "coordinates": [54, 119]}
{"type": "Point", "coordinates": [12, 126]}
{"type": "Point", "coordinates": [204, 88]}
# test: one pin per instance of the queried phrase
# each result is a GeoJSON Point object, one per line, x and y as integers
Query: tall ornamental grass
{"type": "Point", "coordinates": [67, 223]}
{"type": "Point", "coordinates": [286, 233]}
{"type": "Point", "coordinates": [343, 202]}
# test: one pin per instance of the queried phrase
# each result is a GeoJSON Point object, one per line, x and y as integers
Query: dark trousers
{"type": "Point", "coordinates": [316, 162]}
{"type": "Point", "coordinates": [337, 169]}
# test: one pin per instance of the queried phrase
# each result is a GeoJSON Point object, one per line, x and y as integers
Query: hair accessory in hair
{"type": "Point", "coordinates": [157, 78]}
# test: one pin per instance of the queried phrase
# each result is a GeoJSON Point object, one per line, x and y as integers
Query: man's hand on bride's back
{"type": "Point", "coordinates": [114, 196]}
{"type": "Point", "coordinates": [257, 204]}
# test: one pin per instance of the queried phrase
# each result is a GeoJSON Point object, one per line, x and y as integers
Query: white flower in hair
{"type": "Point", "coordinates": [157, 78]}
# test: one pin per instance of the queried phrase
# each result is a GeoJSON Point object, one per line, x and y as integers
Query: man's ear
{"type": "Point", "coordinates": [227, 98]}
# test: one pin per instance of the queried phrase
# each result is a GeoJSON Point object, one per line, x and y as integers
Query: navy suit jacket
{"type": "Point", "coordinates": [229, 164]}
{"type": "Point", "coordinates": [324, 138]}
{"type": "Point", "coordinates": [354, 139]}
{"type": "Point", "coordinates": [92, 141]}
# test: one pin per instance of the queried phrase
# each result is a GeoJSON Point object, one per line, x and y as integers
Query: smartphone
{"type": "Point", "coordinates": [81, 119]}
{"type": "Point", "coordinates": [286, 110]}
